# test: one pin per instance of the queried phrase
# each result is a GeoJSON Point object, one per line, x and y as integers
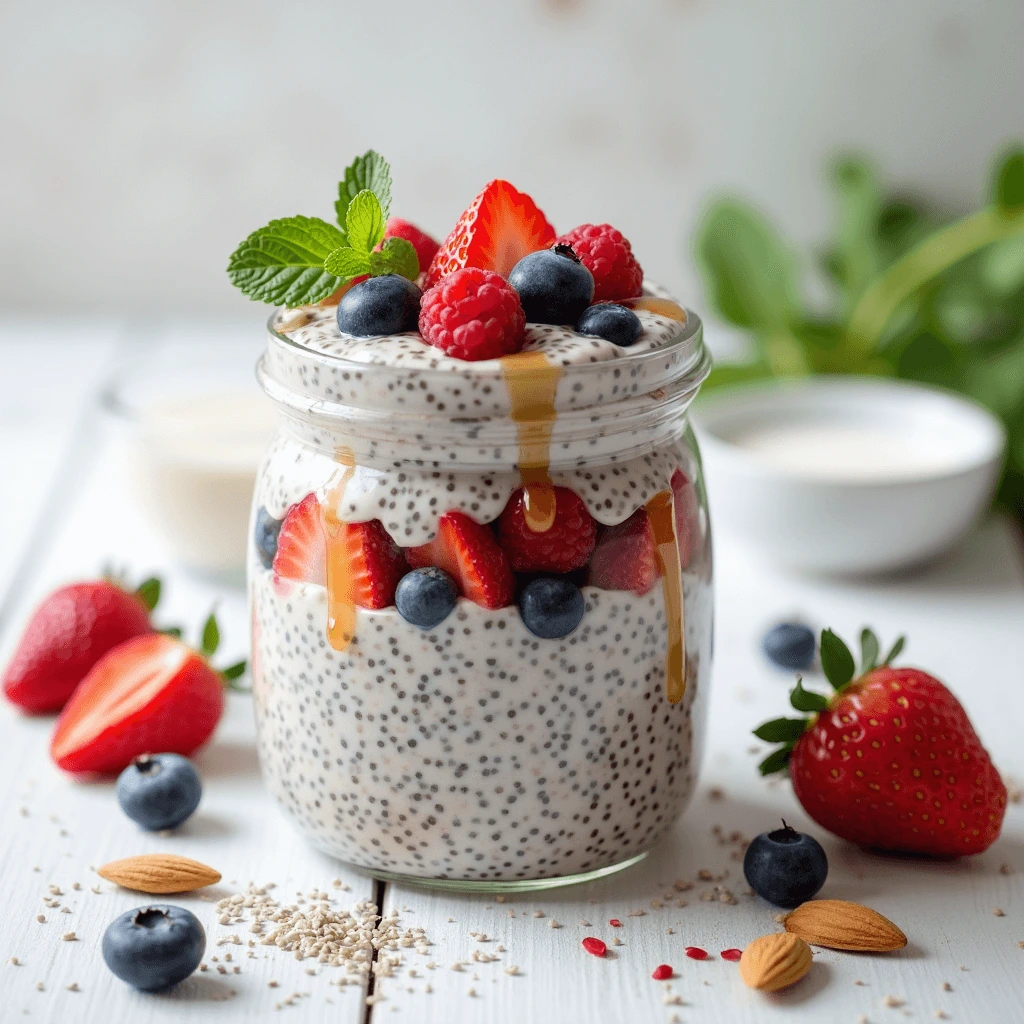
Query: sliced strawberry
{"type": "Point", "coordinates": [499, 228]}
{"type": "Point", "coordinates": [684, 501]}
{"type": "Point", "coordinates": [301, 550]}
{"type": "Point", "coordinates": [67, 634]}
{"type": "Point", "coordinates": [150, 693]}
{"type": "Point", "coordinates": [371, 563]}
{"type": "Point", "coordinates": [625, 556]}
{"type": "Point", "coordinates": [469, 554]}
{"type": "Point", "coordinates": [425, 246]}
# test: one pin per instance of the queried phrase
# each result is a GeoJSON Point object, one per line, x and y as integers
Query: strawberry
{"type": "Point", "coordinates": [890, 761]}
{"type": "Point", "coordinates": [625, 557]}
{"type": "Point", "coordinates": [301, 548]}
{"type": "Point", "coordinates": [67, 634]}
{"type": "Point", "coordinates": [425, 246]}
{"type": "Point", "coordinates": [499, 228]}
{"type": "Point", "coordinates": [469, 554]}
{"type": "Point", "coordinates": [565, 546]}
{"type": "Point", "coordinates": [686, 507]}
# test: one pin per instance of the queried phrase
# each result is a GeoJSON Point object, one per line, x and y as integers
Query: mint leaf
{"type": "Point", "coordinates": [397, 256]}
{"type": "Point", "coordinates": [776, 761]}
{"type": "Point", "coordinates": [781, 730]}
{"type": "Point", "coordinates": [369, 171]}
{"type": "Point", "coordinates": [346, 263]}
{"type": "Point", "coordinates": [283, 263]}
{"type": "Point", "coordinates": [836, 660]}
{"type": "Point", "coordinates": [868, 650]}
{"type": "Point", "coordinates": [1010, 183]}
{"type": "Point", "coordinates": [364, 221]}
{"type": "Point", "coordinates": [806, 700]}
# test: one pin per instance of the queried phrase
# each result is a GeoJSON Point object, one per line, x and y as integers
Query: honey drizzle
{"type": "Point", "coordinates": [341, 606]}
{"type": "Point", "coordinates": [661, 514]}
{"type": "Point", "coordinates": [663, 307]}
{"type": "Point", "coordinates": [532, 381]}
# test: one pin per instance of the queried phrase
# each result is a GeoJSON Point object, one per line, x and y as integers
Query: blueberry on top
{"type": "Point", "coordinates": [551, 607]}
{"type": "Point", "coordinates": [159, 791]}
{"type": "Point", "coordinates": [614, 323]}
{"type": "Point", "coordinates": [553, 285]}
{"type": "Point", "coordinates": [425, 597]}
{"type": "Point", "coordinates": [265, 535]}
{"type": "Point", "coordinates": [790, 645]}
{"type": "Point", "coordinates": [388, 304]}
{"type": "Point", "coordinates": [785, 867]}
{"type": "Point", "coordinates": [154, 947]}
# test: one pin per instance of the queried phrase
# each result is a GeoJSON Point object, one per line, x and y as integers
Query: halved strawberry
{"type": "Point", "coordinates": [625, 556]}
{"type": "Point", "coordinates": [149, 693]}
{"type": "Point", "coordinates": [301, 548]}
{"type": "Point", "coordinates": [499, 228]}
{"type": "Point", "coordinates": [469, 554]}
{"type": "Point", "coordinates": [366, 557]}
{"type": "Point", "coordinates": [685, 503]}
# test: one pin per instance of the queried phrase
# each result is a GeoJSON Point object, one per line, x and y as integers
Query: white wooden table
{"type": "Point", "coordinates": [65, 511]}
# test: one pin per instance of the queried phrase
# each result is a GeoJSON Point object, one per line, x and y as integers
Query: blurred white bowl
{"type": "Point", "coordinates": [847, 475]}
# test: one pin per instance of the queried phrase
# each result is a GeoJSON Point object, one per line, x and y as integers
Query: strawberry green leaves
{"type": "Point", "coordinates": [868, 650]}
{"type": "Point", "coordinates": [836, 660]}
{"type": "Point", "coordinates": [806, 700]}
{"type": "Point", "coordinates": [895, 651]}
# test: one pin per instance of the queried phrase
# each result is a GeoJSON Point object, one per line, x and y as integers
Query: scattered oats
{"type": "Point", "coordinates": [221, 969]}
{"type": "Point", "coordinates": [638, 913]}
{"type": "Point", "coordinates": [96, 889]}
{"type": "Point", "coordinates": [715, 793]}
{"type": "Point", "coordinates": [681, 885]}
{"type": "Point", "coordinates": [63, 833]}
{"type": "Point", "coordinates": [671, 999]}
{"type": "Point", "coordinates": [946, 987]}
{"type": "Point", "coordinates": [37, 868]}
{"type": "Point", "coordinates": [671, 931]}
{"type": "Point", "coordinates": [552, 923]}
{"type": "Point", "coordinates": [584, 924]}
{"type": "Point", "coordinates": [893, 1002]}
{"type": "Point", "coordinates": [471, 992]}
{"type": "Point", "coordinates": [69, 937]}
{"type": "Point", "coordinates": [23, 811]}
{"type": "Point", "coordinates": [41, 918]}
{"type": "Point", "coordinates": [512, 971]}
{"type": "Point", "coordinates": [858, 982]}
{"type": "Point", "coordinates": [656, 904]}
{"type": "Point", "coordinates": [476, 977]}
{"type": "Point", "coordinates": [309, 970]}
{"type": "Point", "coordinates": [501, 948]}
{"type": "Point", "coordinates": [65, 910]}
{"type": "Point", "coordinates": [999, 912]}
{"type": "Point", "coordinates": [962, 968]}
{"type": "Point", "coordinates": [427, 988]}
{"type": "Point", "coordinates": [451, 920]}
{"type": "Point", "coordinates": [940, 1015]}
{"type": "Point", "coordinates": [73, 987]}
{"type": "Point", "coordinates": [863, 1019]}
{"type": "Point", "coordinates": [272, 984]}
{"type": "Point", "coordinates": [705, 876]}
{"type": "Point", "coordinates": [511, 912]}
{"type": "Point", "coordinates": [1006, 869]}
{"type": "Point", "coordinates": [500, 899]}
{"type": "Point", "coordinates": [616, 941]}
{"type": "Point", "coordinates": [54, 890]}
{"type": "Point", "coordinates": [1020, 944]}
{"type": "Point", "coordinates": [779, 918]}
{"type": "Point", "coordinates": [40, 987]}
{"type": "Point", "coordinates": [457, 966]}
{"type": "Point", "coordinates": [538, 913]}
{"type": "Point", "coordinates": [14, 962]}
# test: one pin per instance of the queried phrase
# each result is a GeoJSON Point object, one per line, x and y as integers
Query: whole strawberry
{"type": "Point", "coordinates": [67, 634]}
{"type": "Point", "coordinates": [890, 761]}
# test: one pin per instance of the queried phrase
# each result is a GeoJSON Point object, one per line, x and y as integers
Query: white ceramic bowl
{"type": "Point", "coordinates": [847, 474]}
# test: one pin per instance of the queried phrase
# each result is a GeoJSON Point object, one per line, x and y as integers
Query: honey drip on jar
{"type": "Point", "coordinates": [341, 607]}
{"type": "Point", "coordinates": [661, 514]}
{"type": "Point", "coordinates": [532, 381]}
{"type": "Point", "coordinates": [663, 307]}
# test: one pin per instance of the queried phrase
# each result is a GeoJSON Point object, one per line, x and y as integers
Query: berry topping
{"type": "Point", "coordinates": [625, 557]}
{"type": "Point", "coordinates": [301, 552]}
{"type": "Point", "coordinates": [424, 245]}
{"type": "Point", "coordinates": [731, 954]}
{"type": "Point", "coordinates": [554, 286]}
{"type": "Point", "coordinates": [696, 953]}
{"type": "Point", "coordinates": [469, 554]}
{"type": "Point", "coordinates": [389, 304]}
{"type": "Point", "coordinates": [265, 536]}
{"type": "Point", "coordinates": [785, 867]}
{"type": "Point", "coordinates": [662, 972]}
{"type": "Point", "coordinates": [616, 324]}
{"type": "Point", "coordinates": [595, 947]}
{"type": "Point", "coordinates": [551, 608]}
{"type": "Point", "coordinates": [154, 947]}
{"type": "Point", "coordinates": [473, 314]}
{"type": "Point", "coordinates": [159, 791]}
{"type": "Point", "coordinates": [609, 257]}
{"type": "Point", "coordinates": [615, 922]}
{"type": "Point", "coordinates": [425, 597]}
{"type": "Point", "coordinates": [790, 645]}
{"type": "Point", "coordinates": [565, 546]}
{"type": "Point", "coordinates": [497, 230]}
{"type": "Point", "coordinates": [369, 562]}
{"type": "Point", "coordinates": [687, 516]}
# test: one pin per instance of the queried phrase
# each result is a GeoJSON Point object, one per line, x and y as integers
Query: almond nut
{"type": "Point", "coordinates": [775, 961]}
{"type": "Point", "coordinates": [840, 924]}
{"type": "Point", "coordinates": [159, 873]}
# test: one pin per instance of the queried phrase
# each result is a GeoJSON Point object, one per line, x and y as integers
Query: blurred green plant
{"type": "Point", "coordinates": [914, 294]}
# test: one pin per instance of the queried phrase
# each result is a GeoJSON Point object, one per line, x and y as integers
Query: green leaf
{"type": "Point", "coordinates": [283, 263]}
{"type": "Point", "coordinates": [806, 700]}
{"type": "Point", "coordinates": [746, 268]}
{"type": "Point", "coordinates": [895, 651]}
{"type": "Point", "coordinates": [211, 637]}
{"type": "Point", "coordinates": [857, 260]}
{"type": "Point", "coordinates": [776, 761]}
{"type": "Point", "coordinates": [174, 631]}
{"type": "Point", "coordinates": [369, 171]}
{"type": "Point", "coordinates": [397, 256]}
{"type": "Point", "coordinates": [1002, 266]}
{"type": "Point", "coordinates": [997, 381]}
{"type": "Point", "coordinates": [149, 592]}
{"type": "Point", "coordinates": [1009, 186]}
{"type": "Point", "coordinates": [364, 223]}
{"type": "Point", "coordinates": [836, 660]}
{"type": "Point", "coordinates": [346, 263]}
{"type": "Point", "coordinates": [781, 730]}
{"type": "Point", "coordinates": [235, 671]}
{"type": "Point", "coordinates": [868, 650]}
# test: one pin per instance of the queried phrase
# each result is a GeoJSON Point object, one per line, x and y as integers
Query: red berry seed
{"type": "Point", "coordinates": [615, 922]}
{"type": "Point", "coordinates": [696, 953]}
{"type": "Point", "coordinates": [594, 946]}
{"type": "Point", "coordinates": [731, 954]}
{"type": "Point", "coordinates": [662, 972]}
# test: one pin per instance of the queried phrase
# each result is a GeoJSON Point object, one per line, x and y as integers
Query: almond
{"type": "Point", "coordinates": [159, 873]}
{"type": "Point", "coordinates": [775, 961]}
{"type": "Point", "coordinates": [840, 924]}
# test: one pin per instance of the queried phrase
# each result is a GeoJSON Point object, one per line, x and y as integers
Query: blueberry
{"type": "Point", "coordinates": [426, 596]}
{"type": "Point", "coordinates": [267, 530]}
{"type": "Point", "coordinates": [388, 304]}
{"type": "Point", "coordinates": [154, 947]}
{"type": "Point", "coordinates": [551, 607]}
{"type": "Point", "coordinates": [786, 867]}
{"type": "Point", "coordinates": [614, 323]}
{"type": "Point", "coordinates": [159, 790]}
{"type": "Point", "coordinates": [554, 287]}
{"type": "Point", "coordinates": [789, 645]}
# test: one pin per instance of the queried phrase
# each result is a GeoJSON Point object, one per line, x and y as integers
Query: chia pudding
{"type": "Point", "coordinates": [476, 750]}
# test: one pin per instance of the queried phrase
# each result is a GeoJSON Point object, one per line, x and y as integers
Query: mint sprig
{"type": "Point", "coordinates": [301, 260]}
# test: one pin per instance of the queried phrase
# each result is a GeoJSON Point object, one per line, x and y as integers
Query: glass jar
{"type": "Point", "coordinates": [475, 753]}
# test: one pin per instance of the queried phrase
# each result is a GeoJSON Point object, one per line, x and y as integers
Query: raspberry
{"type": "Point", "coordinates": [473, 314]}
{"type": "Point", "coordinates": [565, 546]}
{"type": "Point", "coordinates": [609, 257]}
{"type": "Point", "coordinates": [425, 246]}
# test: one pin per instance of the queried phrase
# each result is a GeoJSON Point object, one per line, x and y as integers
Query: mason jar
{"type": "Point", "coordinates": [475, 753]}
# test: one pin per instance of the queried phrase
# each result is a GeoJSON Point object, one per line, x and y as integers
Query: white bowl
{"type": "Point", "coordinates": [847, 474]}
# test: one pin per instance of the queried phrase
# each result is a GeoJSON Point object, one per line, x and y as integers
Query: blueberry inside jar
{"type": "Point", "coordinates": [532, 709]}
